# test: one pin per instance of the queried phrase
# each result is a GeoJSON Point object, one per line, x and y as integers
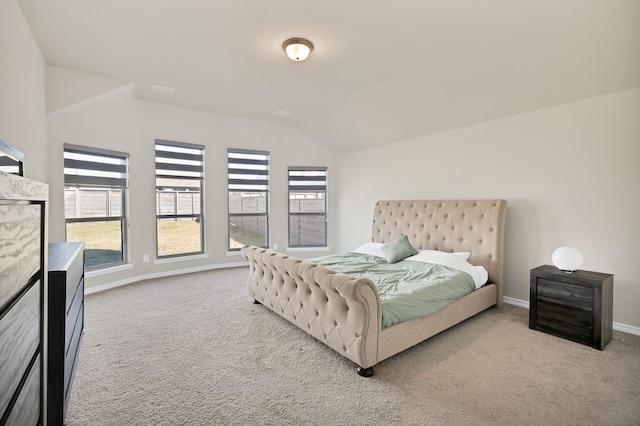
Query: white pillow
{"type": "Point", "coordinates": [484, 275]}
{"type": "Point", "coordinates": [375, 249]}
{"type": "Point", "coordinates": [465, 255]}
{"type": "Point", "coordinates": [372, 249]}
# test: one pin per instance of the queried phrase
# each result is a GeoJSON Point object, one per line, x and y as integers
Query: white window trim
{"type": "Point", "coordinates": [180, 258]}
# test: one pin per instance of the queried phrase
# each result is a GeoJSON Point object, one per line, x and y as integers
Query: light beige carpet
{"type": "Point", "coordinates": [194, 350]}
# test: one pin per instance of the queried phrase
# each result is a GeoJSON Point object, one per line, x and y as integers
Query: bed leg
{"type": "Point", "coordinates": [255, 302]}
{"type": "Point", "coordinates": [365, 372]}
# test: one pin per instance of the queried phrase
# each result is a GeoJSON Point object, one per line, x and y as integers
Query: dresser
{"type": "Point", "coordinates": [577, 306]}
{"type": "Point", "coordinates": [65, 324]}
{"type": "Point", "coordinates": [23, 257]}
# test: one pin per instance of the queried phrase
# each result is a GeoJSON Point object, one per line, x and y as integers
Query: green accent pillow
{"type": "Point", "coordinates": [398, 249]}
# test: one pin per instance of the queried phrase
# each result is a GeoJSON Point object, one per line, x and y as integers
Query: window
{"type": "Point", "coordinates": [307, 206]}
{"type": "Point", "coordinates": [95, 187]}
{"type": "Point", "coordinates": [179, 188]}
{"type": "Point", "coordinates": [248, 198]}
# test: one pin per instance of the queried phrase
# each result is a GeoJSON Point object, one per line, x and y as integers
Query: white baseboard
{"type": "Point", "coordinates": [626, 328]}
{"type": "Point", "coordinates": [616, 325]}
{"type": "Point", "coordinates": [131, 280]}
{"type": "Point", "coordinates": [509, 300]}
{"type": "Point", "coordinates": [517, 302]}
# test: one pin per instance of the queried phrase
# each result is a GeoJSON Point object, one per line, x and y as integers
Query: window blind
{"type": "Point", "coordinates": [176, 160]}
{"type": "Point", "coordinates": [248, 170]}
{"type": "Point", "coordinates": [307, 179]}
{"type": "Point", "coordinates": [89, 167]}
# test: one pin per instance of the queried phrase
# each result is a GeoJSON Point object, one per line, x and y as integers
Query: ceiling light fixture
{"type": "Point", "coordinates": [297, 49]}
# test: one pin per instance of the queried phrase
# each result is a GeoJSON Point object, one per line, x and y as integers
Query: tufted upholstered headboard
{"type": "Point", "coordinates": [476, 226]}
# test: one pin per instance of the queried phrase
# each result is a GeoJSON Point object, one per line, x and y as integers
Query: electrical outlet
{"type": "Point", "coordinates": [275, 246]}
{"type": "Point", "coordinates": [145, 258]}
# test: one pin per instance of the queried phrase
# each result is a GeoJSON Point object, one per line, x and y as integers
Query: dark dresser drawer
{"type": "Point", "coordinates": [29, 397]}
{"type": "Point", "coordinates": [75, 274]}
{"type": "Point", "coordinates": [19, 248]}
{"type": "Point", "coordinates": [72, 314]}
{"type": "Point", "coordinates": [576, 306]}
{"type": "Point", "coordinates": [19, 340]}
{"type": "Point", "coordinates": [73, 349]}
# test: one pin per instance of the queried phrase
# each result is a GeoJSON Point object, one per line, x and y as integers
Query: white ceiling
{"type": "Point", "coordinates": [382, 71]}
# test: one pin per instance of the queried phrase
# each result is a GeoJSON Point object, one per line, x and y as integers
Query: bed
{"type": "Point", "coordinates": [344, 312]}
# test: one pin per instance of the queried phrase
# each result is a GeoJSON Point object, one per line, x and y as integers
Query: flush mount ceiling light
{"type": "Point", "coordinates": [297, 49]}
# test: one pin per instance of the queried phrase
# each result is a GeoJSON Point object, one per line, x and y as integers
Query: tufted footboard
{"type": "Point", "coordinates": [339, 310]}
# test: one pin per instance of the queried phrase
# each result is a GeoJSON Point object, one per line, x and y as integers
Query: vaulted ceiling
{"type": "Point", "coordinates": [381, 71]}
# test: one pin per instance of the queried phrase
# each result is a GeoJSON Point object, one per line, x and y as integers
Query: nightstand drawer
{"type": "Point", "coordinates": [570, 295]}
{"type": "Point", "coordinates": [565, 322]}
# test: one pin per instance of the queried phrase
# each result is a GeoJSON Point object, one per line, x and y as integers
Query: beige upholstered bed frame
{"type": "Point", "coordinates": [344, 311]}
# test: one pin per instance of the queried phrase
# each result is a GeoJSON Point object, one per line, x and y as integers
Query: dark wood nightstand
{"type": "Point", "coordinates": [577, 306]}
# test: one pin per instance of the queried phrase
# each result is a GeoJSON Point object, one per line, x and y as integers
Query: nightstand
{"type": "Point", "coordinates": [577, 306]}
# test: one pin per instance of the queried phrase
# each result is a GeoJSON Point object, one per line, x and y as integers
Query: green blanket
{"type": "Point", "coordinates": [408, 289]}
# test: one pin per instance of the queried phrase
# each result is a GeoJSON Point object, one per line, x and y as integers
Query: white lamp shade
{"type": "Point", "coordinates": [567, 258]}
{"type": "Point", "coordinates": [298, 52]}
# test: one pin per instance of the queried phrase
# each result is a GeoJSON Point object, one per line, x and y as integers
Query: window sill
{"type": "Point", "coordinates": [180, 258]}
{"type": "Point", "coordinates": [288, 249]}
{"type": "Point", "coordinates": [108, 270]}
{"type": "Point", "coordinates": [294, 249]}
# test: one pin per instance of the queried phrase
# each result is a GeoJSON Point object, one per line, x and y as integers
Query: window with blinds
{"type": "Point", "coordinates": [248, 186]}
{"type": "Point", "coordinates": [179, 199]}
{"type": "Point", "coordinates": [95, 189]}
{"type": "Point", "coordinates": [307, 206]}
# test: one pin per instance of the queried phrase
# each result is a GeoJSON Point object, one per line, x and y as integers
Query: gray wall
{"type": "Point", "coordinates": [570, 174]}
{"type": "Point", "coordinates": [119, 122]}
{"type": "Point", "coordinates": [23, 123]}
